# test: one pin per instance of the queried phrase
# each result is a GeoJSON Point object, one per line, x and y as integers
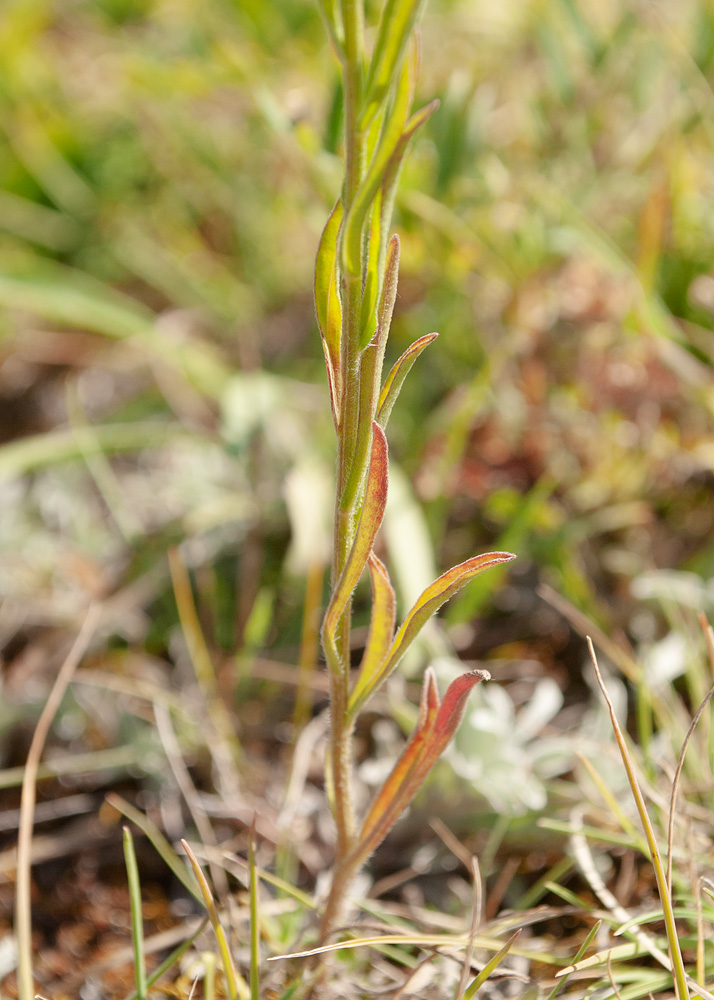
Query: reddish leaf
{"type": "Point", "coordinates": [434, 730]}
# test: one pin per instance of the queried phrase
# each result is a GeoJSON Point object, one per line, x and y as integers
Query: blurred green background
{"type": "Point", "coordinates": [166, 167]}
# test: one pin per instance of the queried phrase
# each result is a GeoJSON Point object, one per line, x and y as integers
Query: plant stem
{"type": "Point", "coordinates": [346, 514]}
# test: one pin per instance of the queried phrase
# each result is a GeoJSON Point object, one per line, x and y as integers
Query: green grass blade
{"type": "Point", "coordinates": [579, 954]}
{"type": "Point", "coordinates": [483, 975]}
{"type": "Point", "coordinates": [158, 841]}
{"type": "Point", "coordinates": [170, 960]}
{"type": "Point", "coordinates": [137, 919]}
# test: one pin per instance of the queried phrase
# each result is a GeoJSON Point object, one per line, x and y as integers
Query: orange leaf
{"type": "Point", "coordinates": [437, 725]}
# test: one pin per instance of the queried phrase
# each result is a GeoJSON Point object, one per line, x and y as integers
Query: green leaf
{"type": "Point", "coordinates": [395, 27]}
{"type": "Point", "coordinates": [389, 142]}
{"type": "Point", "coordinates": [384, 613]}
{"type": "Point", "coordinates": [371, 363]}
{"type": "Point", "coordinates": [397, 375]}
{"type": "Point", "coordinates": [394, 166]}
{"type": "Point", "coordinates": [327, 304]}
{"type": "Point", "coordinates": [433, 597]}
{"type": "Point", "coordinates": [490, 966]}
{"type": "Point", "coordinates": [375, 500]}
{"type": "Point", "coordinates": [137, 921]}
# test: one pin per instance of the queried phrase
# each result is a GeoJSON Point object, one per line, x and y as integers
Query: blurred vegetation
{"type": "Point", "coordinates": [166, 167]}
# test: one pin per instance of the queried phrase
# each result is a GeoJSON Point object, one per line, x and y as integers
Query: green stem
{"type": "Point", "coordinates": [346, 514]}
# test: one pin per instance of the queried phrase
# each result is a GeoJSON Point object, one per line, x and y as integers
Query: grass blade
{"type": "Point", "coordinates": [578, 955]}
{"type": "Point", "coordinates": [254, 920]}
{"type": "Point", "coordinates": [235, 984]}
{"type": "Point", "coordinates": [675, 954]}
{"type": "Point", "coordinates": [137, 919]}
{"type": "Point", "coordinates": [483, 975]}
{"type": "Point", "coordinates": [170, 959]}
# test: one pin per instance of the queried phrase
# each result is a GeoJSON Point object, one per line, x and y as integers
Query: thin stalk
{"type": "Point", "coordinates": [675, 953]}
{"type": "Point", "coordinates": [346, 515]}
{"type": "Point", "coordinates": [209, 975]}
{"type": "Point", "coordinates": [23, 904]}
{"type": "Point", "coordinates": [254, 919]}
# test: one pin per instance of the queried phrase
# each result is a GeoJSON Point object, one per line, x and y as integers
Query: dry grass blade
{"type": "Point", "coordinates": [475, 921]}
{"type": "Point", "coordinates": [23, 905]}
{"type": "Point", "coordinates": [675, 784]}
{"type": "Point", "coordinates": [185, 784]}
{"type": "Point", "coordinates": [158, 841]}
{"type": "Point", "coordinates": [675, 954]}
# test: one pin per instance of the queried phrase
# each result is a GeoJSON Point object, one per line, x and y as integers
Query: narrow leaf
{"type": "Point", "coordinates": [490, 966]}
{"type": "Point", "coordinates": [371, 363]}
{"type": "Point", "coordinates": [373, 274]}
{"type": "Point", "coordinates": [235, 984]}
{"type": "Point", "coordinates": [397, 375]}
{"type": "Point", "coordinates": [375, 500]}
{"type": "Point", "coordinates": [675, 952]}
{"type": "Point", "coordinates": [384, 611]}
{"type": "Point", "coordinates": [391, 800]}
{"type": "Point", "coordinates": [389, 142]}
{"type": "Point", "coordinates": [397, 22]}
{"type": "Point", "coordinates": [390, 175]}
{"type": "Point", "coordinates": [157, 840]}
{"type": "Point", "coordinates": [580, 952]}
{"type": "Point", "coordinates": [327, 304]}
{"type": "Point", "coordinates": [388, 293]}
{"type": "Point", "coordinates": [137, 919]}
{"type": "Point", "coordinates": [430, 601]}
{"type": "Point", "coordinates": [435, 728]}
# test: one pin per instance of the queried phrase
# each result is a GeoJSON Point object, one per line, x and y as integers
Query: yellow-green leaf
{"type": "Point", "coordinates": [384, 612]}
{"type": "Point", "coordinates": [399, 372]}
{"type": "Point", "coordinates": [375, 500]}
{"type": "Point", "coordinates": [396, 25]}
{"type": "Point", "coordinates": [428, 603]}
{"type": "Point", "coordinates": [327, 303]}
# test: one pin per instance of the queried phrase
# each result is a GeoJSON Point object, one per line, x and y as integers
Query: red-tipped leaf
{"type": "Point", "coordinates": [434, 730]}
